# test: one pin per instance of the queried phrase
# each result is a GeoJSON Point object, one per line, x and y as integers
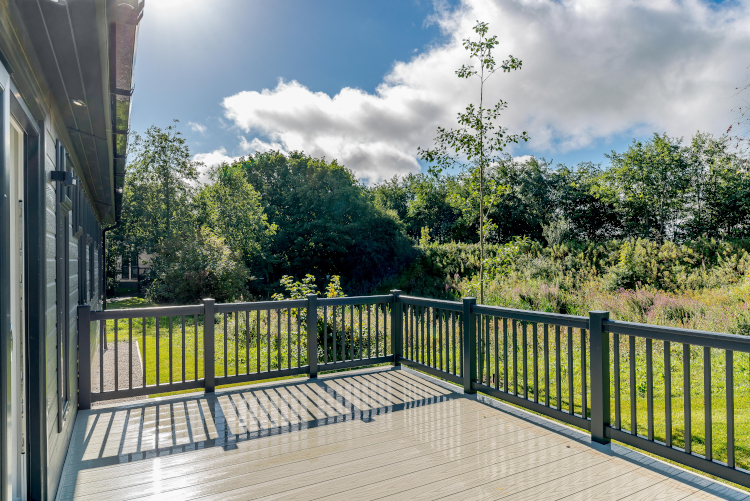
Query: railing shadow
{"type": "Point", "coordinates": [130, 433]}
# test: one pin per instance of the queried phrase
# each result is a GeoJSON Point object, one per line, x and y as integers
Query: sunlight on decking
{"type": "Point", "coordinates": [358, 435]}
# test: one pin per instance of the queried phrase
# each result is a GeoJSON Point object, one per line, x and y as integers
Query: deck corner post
{"type": "Point", "coordinates": [84, 356]}
{"type": "Point", "coordinates": [397, 322]}
{"type": "Point", "coordinates": [469, 360]}
{"type": "Point", "coordinates": [209, 378]}
{"type": "Point", "coordinates": [312, 335]}
{"type": "Point", "coordinates": [600, 377]}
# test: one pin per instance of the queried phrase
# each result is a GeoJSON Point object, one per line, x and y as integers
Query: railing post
{"type": "Point", "coordinates": [84, 356]}
{"type": "Point", "coordinates": [209, 379]}
{"type": "Point", "coordinates": [312, 334]}
{"type": "Point", "coordinates": [600, 376]}
{"type": "Point", "coordinates": [469, 361]}
{"type": "Point", "coordinates": [397, 322]}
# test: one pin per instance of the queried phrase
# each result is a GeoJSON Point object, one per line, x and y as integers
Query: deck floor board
{"type": "Point", "coordinates": [370, 434]}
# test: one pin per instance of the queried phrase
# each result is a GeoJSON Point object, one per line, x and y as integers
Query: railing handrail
{"type": "Point", "coordinates": [148, 312]}
{"type": "Point", "coordinates": [561, 319]}
{"type": "Point", "coordinates": [723, 341]}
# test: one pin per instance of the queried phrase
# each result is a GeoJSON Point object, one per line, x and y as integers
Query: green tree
{"type": "Point", "coordinates": [231, 207]}
{"type": "Point", "coordinates": [479, 139]}
{"type": "Point", "coordinates": [653, 182]}
{"type": "Point", "coordinates": [720, 201]}
{"type": "Point", "coordinates": [327, 222]}
{"type": "Point", "coordinates": [582, 199]}
{"type": "Point", "coordinates": [159, 187]}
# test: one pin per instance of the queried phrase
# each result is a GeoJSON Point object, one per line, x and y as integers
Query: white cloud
{"type": "Point", "coordinates": [197, 127]}
{"type": "Point", "coordinates": [210, 160]}
{"type": "Point", "coordinates": [250, 147]}
{"type": "Point", "coordinates": [592, 69]}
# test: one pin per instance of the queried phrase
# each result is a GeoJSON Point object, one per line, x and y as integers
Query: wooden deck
{"type": "Point", "coordinates": [367, 434]}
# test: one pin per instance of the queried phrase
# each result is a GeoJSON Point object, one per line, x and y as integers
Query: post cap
{"type": "Point", "coordinates": [395, 291]}
{"type": "Point", "coordinates": [469, 299]}
{"type": "Point", "coordinates": [311, 295]}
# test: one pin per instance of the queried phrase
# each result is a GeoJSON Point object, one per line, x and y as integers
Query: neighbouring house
{"type": "Point", "coordinates": [66, 72]}
{"type": "Point", "coordinates": [131, 270]}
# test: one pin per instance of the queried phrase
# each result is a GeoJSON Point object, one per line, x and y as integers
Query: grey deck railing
{"type": "Point", "coordinates": [563, 366]}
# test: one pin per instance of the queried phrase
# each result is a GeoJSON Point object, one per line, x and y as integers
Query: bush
{"type": "Point", "coordinates": [194, 267]}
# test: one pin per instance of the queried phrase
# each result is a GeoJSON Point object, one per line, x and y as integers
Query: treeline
{"type": "Point", "coordinates": [236, 233]}
{"type": "Point", "coordinates": [660, 189]}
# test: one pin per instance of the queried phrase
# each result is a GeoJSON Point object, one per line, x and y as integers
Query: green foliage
{"type": "Point", "coordinates": [327, 222]}
{"type": "Point", "coordinates": [231, 206]}
{"type": "Point", "coordinates": [479, 138]}
{"type": "Point", "coordinates": [197, 266]}
{"type": "Point", "coordinates": [157, 197]}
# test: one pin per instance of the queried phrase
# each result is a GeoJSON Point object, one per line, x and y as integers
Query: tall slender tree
{"type": "Point", "coordinates": [479, 139]}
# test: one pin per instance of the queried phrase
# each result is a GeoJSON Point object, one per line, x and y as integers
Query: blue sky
{"type": "Point", "coordinates": [367, 82]}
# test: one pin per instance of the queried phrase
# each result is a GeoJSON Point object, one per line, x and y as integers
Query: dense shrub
{"type": "Point", "coordinates": [194, 267]}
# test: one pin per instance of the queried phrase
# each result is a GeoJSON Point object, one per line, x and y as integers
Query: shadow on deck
{"type": "Point", "coordinates": [365, 434]}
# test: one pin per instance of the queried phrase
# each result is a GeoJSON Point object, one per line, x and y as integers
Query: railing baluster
{"type": "Point", "coordinates": [558, 369]}
{"type": "Point", "coordinates": [377, 330]}
{"type": "Point", "coordinates": [236, 343]}
{"type": "Point", "coordinates": [461, 345]}
{"type": "Point", "coordinates": [707, 402]}
{"type": "Point", "coordinates": [158, 360]}
{"type": "Point", "coordinates": [183, 348]}
{"type": "Point", "coordinates": [633, 413]}
{"type": "Point", "coordinates": [351, 323]}
{"type": "Point", "coordinates": [289, 338]}
{"type": "Point", "coordinates": [247, 342]}
{"type": "Point", "coordinates": [325, 334]}
{"type": "Point", "coordinates": [515, 358]}
{"type": "Point", "coordinates": [525, 360]}
{"type": "Point", "coordinates": [299, 344]}
{"type": "Point", "coordinates": [584, 373]}
{"type": "Point", "coordinates": [431, 358]}
{"type": "Point", "coordinates": [195, 347]}
{"type": "Point", "coordinates": [117, 359]}
{"type": "Point", "coordinates": [667, 394]}
{"type": "Point", "coordinates": [488, 349]}
{"type": "Point", "coordinates": [650, 387]}
{"type": "Point", "coordinates": [226, 370]}
{"type": "Point", "coordinates": [571, 393]}
{"type": "Point", "coordinates": [170, 349]}
{"type": "Point", "coordinates": [359, 312]}
{"type": "Point", "coordinates": [497, 358]}
{"type": "Point", "coordinates": [130, 353]}
{"type": "Point", "coordinates": [412, 321]}
{"type": "Point", "coordinates": [278, 339]}
{"type": "Point", "coordinates": [616, 350]}
{"type": "Point", "coordinates": [268, 339]}
{"type": "Point", "coordinates": [453, 342]}
{"type": "Point", "coordinates": [546, 365]}
{"type": "Point", "coordinates": [421, 326]}
{"type": "Point", "coordinates": [479, 326]}
{"type": "Point", "coordinates": [730, 408]}
{"type": "Point", "coordinates": [505, 355]}
{"type": "Point", "coordinates": [257, 340]}
{"type": "Point", "coordinates": [369, 333]}
{"type": "Point", "coordinates": [686, 397]}
{"type": "Point", "coordinates": [335, 336]}
{"type": "Point", "coordinates": [143, 337]}
{"type": "Point", "coordinates": [440, 337]}
{"type": "Point", "coordinates": [535, 362]}
{"type": "Point", "coordinates": [102, 338]}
